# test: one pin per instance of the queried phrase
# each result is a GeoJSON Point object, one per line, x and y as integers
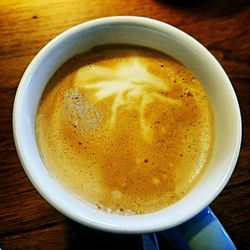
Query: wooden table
{"type": "Point", "coordinates": [27, 221]}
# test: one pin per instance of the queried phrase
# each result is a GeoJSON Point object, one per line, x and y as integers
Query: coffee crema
{"type": "Point", "coordinates": [125, 128]}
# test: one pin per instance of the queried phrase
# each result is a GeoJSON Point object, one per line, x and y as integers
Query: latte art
{"type": "Point", "coordinates": [125, 128]}
{"type": "Point", "coordinates": [131, 85]}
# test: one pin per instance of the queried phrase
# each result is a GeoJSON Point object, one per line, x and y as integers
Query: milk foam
{"type": "Point", "coordinates": [132, 86]}
{"type": "Point", "coordinates": [126, 128]}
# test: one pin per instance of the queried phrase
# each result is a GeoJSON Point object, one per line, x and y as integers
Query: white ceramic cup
{"type": "Point", "coordinates": [152, 34]}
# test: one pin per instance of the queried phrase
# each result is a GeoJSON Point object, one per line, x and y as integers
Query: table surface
{"type": "Point", "coordinates": [27, 221]}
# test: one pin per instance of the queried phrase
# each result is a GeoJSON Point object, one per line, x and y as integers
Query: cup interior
{"type": "Point", "coordinates": [153, 34]}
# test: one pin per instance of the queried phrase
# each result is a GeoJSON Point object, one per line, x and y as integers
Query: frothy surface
{"type": "Point", "coordinates": [126, 128]}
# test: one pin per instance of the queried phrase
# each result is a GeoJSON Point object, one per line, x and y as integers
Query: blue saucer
{"type": "Point", "coordinates": [204, 231]}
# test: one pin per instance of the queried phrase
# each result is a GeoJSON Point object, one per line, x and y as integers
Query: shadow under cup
{"type": "Point", "coordinates": [153, 34]}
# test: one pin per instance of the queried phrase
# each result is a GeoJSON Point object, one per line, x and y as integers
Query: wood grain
{"type": "Point", "coordinates": [27, 221]}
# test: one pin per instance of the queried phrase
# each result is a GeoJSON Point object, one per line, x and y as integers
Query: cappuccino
{"type": "Point", "coordinates": [125, 128]}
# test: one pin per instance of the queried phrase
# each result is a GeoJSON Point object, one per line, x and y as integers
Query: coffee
{"type": "Point", "coordinates": [126, 128]}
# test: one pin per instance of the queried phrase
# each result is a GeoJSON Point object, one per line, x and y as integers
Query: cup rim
{"type": "Point", "coordinates": [143, 21]}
